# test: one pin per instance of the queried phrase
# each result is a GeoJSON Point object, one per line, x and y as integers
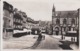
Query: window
{"type": "Point", "coordinates": [19, 21]}
{"type": "Point", "coordinates": [57, 21]}
{"type": "Point", "coordinates": [14, 25]}
{"type": "Point", "coordinates": [64, 21]}
{"type": "Point", "coordinates": [15, 20]}
{"type": "Point", "coordinates": [64, 28]}
{"type": "Point", "coordinates": [73, 21]}
{"type": "Point", "coordinates": [69, 28]}
{"type": "Point", "coordinates": [11, 15]}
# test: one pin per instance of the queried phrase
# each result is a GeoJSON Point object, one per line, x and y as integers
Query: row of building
{"type": "Point", "coordinates": [13, 20]}
{"type": "Point", "coordinates": [18, 20]}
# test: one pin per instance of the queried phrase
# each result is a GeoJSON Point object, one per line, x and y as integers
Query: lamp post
{"type": "Point", "coordinates": [61, 33]}
{"type": "Point", "coordinates": [78, 27]}
{"type": "Point", "coordinates": [64, 30]}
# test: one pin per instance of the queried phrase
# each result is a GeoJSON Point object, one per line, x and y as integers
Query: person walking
{"type": "Point", "coordinates": [39, 36]}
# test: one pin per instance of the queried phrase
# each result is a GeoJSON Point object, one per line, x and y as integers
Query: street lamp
{"type": "Point", "coordinates": [64, 30]}
{"type": "Point", "coordinates": [61, 32]}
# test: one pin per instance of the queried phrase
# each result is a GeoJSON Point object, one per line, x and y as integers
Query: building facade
{"type": "Point", "coordinates": [24, 16]}
{"type": "Point", "coordinates": [31, 25]}
{"type": "Point", "coordinates": [64, 21]}
{"type": "Point", "coordinates": [7, 20]}
{"type": "Point", "coordinates": [43, 25]}
{"type": "Point", "coordinates": [17, 20]}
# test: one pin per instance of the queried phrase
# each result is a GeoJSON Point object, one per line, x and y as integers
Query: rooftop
{"type": "Point", "coordinates": [72, 13]}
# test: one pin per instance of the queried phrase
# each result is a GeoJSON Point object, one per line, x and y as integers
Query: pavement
{"type": "Point", "coordinates": [20, 42]}
{"type": "Point", "coordinates": [51, 42]}
{"type": "Point", "coordinates": [55, 43]}
{"type": "Point", "coordinates": [66, 37]}
{"type": "Point", "coordinates": [48, 43]}
{"type": "Point", "coordinates": [68, 40]}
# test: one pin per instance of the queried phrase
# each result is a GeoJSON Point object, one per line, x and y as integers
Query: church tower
{"type": "Point", "coordinates": [53, 15]}
{"type": "Point", "coordinates": [53, 11]}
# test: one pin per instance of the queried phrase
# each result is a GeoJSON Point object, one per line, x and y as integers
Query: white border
{"type": "Point", "coordinates": [1, 24]}
{"type": "Point", "coordinates": [1, 32]}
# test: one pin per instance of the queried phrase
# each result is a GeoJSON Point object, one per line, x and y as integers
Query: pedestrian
{"type": "Point", "coordinates": [64, 33]}
{"type": "Point", "coordinates": [40, 36]}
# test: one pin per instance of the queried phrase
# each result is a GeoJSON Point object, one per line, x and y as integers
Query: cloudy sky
{"type": "Point", "coordinates": [42, 9]}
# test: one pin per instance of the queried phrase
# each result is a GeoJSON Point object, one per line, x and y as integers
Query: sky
{"type": "Point", "coordinates": [42, 9]}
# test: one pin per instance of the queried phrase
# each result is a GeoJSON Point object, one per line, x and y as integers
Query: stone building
{"type": "Point", "coordinates": [17, 20]}
{"type": "Point", "coordinates": [24, 16]}
{"type": "Point", "coordinates": [64, 21]}
{"type": "Point", "coordinates": [7, 20]}
{"type": "Point", "coordinates": [49, 28]}
{"type": "Point", "coordinates": [31, 24]}
{"type": "Point", "coordinates": [43, 25]}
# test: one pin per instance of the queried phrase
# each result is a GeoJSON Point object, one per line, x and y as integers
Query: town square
{"type": "Point", "coordinates": [47, 24]}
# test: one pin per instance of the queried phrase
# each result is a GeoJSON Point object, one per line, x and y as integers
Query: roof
{"type": "Point", "coordinates": [7, 6]}
{"type": "Point", "coordinates": [43, 23]}
{"type": "Point", "coordinates": [32, 20]}
{"type": "Point", "coordinates": [67, 13]}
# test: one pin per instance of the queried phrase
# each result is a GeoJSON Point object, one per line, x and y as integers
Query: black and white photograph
{"type": "Point", "coordinates": [41, 24]}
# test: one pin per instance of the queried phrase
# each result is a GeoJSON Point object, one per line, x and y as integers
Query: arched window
{"type": "Point", "coordinates": [73, 21]}
{"type": "Point", "coordinates": [57, 21]}
{"type": "Point", "coordinates": [64, 21]}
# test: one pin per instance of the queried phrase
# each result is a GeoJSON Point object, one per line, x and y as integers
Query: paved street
{"type": "Point", "coordinates": [47, 43]}
{"type": "Point", "coordinates": [20, 42]}
{"type": "Point", "coordinates": [32, 42]}
{"type": "Point", "coordinates": [50, 42]}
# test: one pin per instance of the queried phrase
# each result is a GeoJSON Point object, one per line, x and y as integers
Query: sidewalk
{"type": "Point", "coordinates": [66, 37]}
{"type": "Point", "coordinates": [20, 43]}
{"type": "Point", "coordinates": [72, 45]}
